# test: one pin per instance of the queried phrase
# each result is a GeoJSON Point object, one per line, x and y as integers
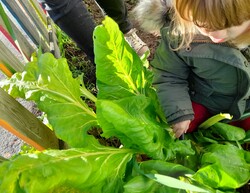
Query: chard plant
{"type": "Point", "coordinates": [209, 160]}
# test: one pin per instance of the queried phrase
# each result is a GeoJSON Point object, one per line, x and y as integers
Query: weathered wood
{"type": "Point", "coordinates": [9, 54]}
{"type": "Point", "coordinates": [20, 19]}
{"type": "Point", "coordinates": [39, 9]}
{"type": "Point", "coordinates": [5, 70]}
{"type": "Point", "coordinates": [26, 44]}
{"type": "Point", "coordinates": [27, 28]}
{"type": "Point", "coordinates": [31, 27]}
{"type": "Point", "coordinates": [41, 25]}
{"type": "Point", "coordinates": [18, 120]}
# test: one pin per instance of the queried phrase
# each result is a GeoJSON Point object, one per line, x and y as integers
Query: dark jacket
{"type": "Point", "coordinates": [214, 75]}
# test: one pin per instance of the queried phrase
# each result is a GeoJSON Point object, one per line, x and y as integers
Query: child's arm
{"type": "Point", "coordinates": [171, 75]}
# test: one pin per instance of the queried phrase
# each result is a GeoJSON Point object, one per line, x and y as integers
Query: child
{"type": "Point", "coordinates": [201, 67]}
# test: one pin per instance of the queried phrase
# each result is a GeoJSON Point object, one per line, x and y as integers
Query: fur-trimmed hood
{"type": "Point", "coordinates": [151, 15]}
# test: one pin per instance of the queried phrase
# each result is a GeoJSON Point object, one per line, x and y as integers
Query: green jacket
{"type": "Point", "coordinates": [214, 75]}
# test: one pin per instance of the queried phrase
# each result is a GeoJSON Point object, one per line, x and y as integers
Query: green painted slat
{"type": "Point", "coordinates": [6, 22]}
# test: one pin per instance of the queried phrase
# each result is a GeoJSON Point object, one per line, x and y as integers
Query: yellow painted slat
{"type": "Point", "coordinates": [22, 123]}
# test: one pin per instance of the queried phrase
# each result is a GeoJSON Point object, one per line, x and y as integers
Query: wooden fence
{"type": "Point", "coordinates": [24, 28]}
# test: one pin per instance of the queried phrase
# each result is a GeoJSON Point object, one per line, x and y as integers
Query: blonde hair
{"type": "Point", "coordinates": [209, 14]}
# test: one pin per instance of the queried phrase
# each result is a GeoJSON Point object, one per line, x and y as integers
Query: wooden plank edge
{"type": "Point", "coordinates": [6, 69]}
{"type": "Point", "coordinates": [8, 127]}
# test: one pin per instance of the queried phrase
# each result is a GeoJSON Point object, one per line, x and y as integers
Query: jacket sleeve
{"type": "Point", "coordinates": [170, 80]}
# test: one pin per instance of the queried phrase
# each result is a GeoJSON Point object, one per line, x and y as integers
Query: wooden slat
{"type": "Point", "coordinates": [22, 21]}
{"type": "Point", "coordinates": [30, 29]}
{"type": "Point", "coordinates": [18, 120]}
{"type": "Point", "coordinates": [26, 44]}
{"type": "Point", "coordinates": [7, 30]}
{"type": "Point", "coordinates": [9, 54]}
{"type": "Point", "coordinates": [7, 71]}
{"type": "Point", "coordinates": [39, 9]}
{"type": "Point", "coordinates": [35, 17]}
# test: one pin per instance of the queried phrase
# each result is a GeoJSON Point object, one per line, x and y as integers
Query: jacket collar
{"type": "Point", "coordinates": [203, 47]}
{"type": "Point", "coordinates": [198, 38]}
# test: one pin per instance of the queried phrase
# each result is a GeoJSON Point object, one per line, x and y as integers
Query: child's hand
{"type": "Point", "coordinates": [180, 128]}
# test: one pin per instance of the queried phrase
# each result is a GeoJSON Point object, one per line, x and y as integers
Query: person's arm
{"type": "Point", "coordinates": [171, 83]}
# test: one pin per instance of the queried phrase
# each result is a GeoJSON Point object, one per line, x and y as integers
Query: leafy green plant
{"type": "Point", "coordinates": [126, 108]}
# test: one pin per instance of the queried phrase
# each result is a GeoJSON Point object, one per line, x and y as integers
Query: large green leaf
{"type": "Point", "coordinates": [140, 184]}
{"type": "Point", "coordinates": [227, 132]}
{"type": "Point", "coordinates": [49, 83]}
{"type": "Point", "coordinates": [128, 106]}
{"type": "Point", "coordinates": [143, 184]}
{"type": "Point", "coordinates": [169, 174]}
{"type": "Point", "coordinates": [224, 167]}
{"type": "Point", "coordinates": [120, 72]}
{"type": "Point", "coordinates": [165, 168]}
{"type": "Point", "coordinates": [100, 169]}
{"type": "Point", "coordinates": [161, 177]}
{"type": "Point", "coordinates": [133, 128]}
{"type": "Point", "coordinates": [129, 120]}
{"type": "Point", "coordinates": [174, 183]}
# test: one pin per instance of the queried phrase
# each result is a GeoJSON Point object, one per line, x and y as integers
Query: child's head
{"type": "Point", "coordinates": [211, 18]}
